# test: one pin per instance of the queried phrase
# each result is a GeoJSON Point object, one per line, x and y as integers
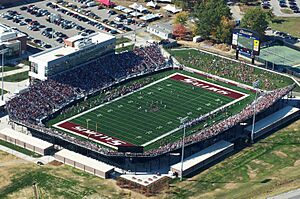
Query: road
{"type": "Point", "coordinates": [294, 194]}
{"type": "Point", "coordinates": [277, 9]}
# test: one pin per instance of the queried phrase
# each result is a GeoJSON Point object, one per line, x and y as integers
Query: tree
{"type": "Point", "coordinates": [255, 19]}
{"type": "Point", "coordinates": [179, 31]}
{"type": "Point", "coordinates": [209, 14]}
{"type": "Point", "coordinates": [181, 18]}
{"type": "Point", "coordinates": [224, 30]}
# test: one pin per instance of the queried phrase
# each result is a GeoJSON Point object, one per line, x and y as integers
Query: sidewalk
{"type": "Point", "coordinates": [25, 68]}
{"type": "Point", "coordinates": [43, 159]}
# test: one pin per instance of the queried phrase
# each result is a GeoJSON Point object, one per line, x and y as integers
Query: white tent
{"type": "Point", "coordinates": [172, 9]}
{"type": "Point", "coordinates": [136, 14]}
{"type": "Point", "coordinates": [151, 4]}
{"type": "Point", "coordinates": [165, 1]}
{"type": "Point", "coordinates": [119, 7]}
{"type": "Point", "coordinates": [127, 10]}
{"type": "Point", "coordinates": [134, 6]}
{"type": "Point", "coordinates": [138, 7]}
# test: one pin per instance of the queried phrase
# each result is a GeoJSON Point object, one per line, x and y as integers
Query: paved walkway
{"type": "Point", "coordinates": [294, 194]}
{"type": "Point", "coordinates": [43, 159]}
{"type": "Point", "coordinates": [7, 73]}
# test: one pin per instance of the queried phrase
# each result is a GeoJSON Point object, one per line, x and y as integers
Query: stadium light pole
{"type": "Point", "coordinates": [3, 51]}
{"type": "Point", "coordinates": [98, 115]}
{"type": "Point", "coordinates": [255, 85]}
{"type": "Point", "coordinates": [182, 121]}
{"type": "Point", "coordinates": [87, 123]}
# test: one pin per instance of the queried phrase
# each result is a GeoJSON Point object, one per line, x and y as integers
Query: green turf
{"type": "Point", "coordinates": [19, 149]}
{"type": "Point", "coordinates": [97, 100]}
{"type": "Point", "coordinates": [151, 112]}
{"type": "Point", "coordinates": [16, 77]}
{"type": "Point", "coordinates": [280, 55]}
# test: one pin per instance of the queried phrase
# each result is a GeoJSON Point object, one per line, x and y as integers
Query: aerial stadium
{"type": "Point", "coordinates": [130, 109]}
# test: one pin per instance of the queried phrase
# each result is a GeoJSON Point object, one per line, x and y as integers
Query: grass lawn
{"type": "Point", "coordinates": [126, 48]}
{"type": "Point", "coordinates": [16, 77]}
{"type": "Point", "coordinates": [122, 40]}
{"type": "Point", "coordinates": [286, 11]}
{"type": "Point", "coordinates": [19, 149]}
{"type": "Point", "coordinates": [287, 24]}
{"type": "Point", "coordinates": [17, 177]}
{"type": "Point", "coordinates": [9, 68]}
{"type": "Point", "coordinates": [268, 167]}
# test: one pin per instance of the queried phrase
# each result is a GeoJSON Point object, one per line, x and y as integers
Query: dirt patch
{"type": "Point", "coordinates": [251, 173]}
{"type": "Point", "coordinates": [230, 185]}
{"type": "Point", "coordinates": [297, 163]}
{"type": "Point", "coordinates": [23, 194]}
{"type": "Point", "coordinates": [223, 47]}
{"type": "Point", "coordinates": [55, 163]}
{"type": "Point", "coordinates": [280, 154]}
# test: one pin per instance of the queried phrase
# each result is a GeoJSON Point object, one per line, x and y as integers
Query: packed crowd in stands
{"type": "Point", "coordinates": [266, 100]}
{"type": "Point", "coordinates": [263, 102]}
{"type": "Point", "coordinates": [238, 71]}
{"type": "Point", "coordinates": [46, 97]}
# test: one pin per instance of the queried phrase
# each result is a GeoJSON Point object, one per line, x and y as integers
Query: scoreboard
{"type": "Point", "coordinates": [246, 41]}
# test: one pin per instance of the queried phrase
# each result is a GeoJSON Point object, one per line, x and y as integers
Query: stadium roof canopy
{"type": "Point", "coordinates": [84, 160]}
{"type": "Point", "coordinates": [26, 138]}
{"type": "Point", "coordinates": [202, 156]}
{"type": "Point", "coordinates": [272, 119]}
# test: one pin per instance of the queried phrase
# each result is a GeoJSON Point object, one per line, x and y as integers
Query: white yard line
{"type": "Point", "coordinates": [178, 128]}
{"type": "Point", "coordinates": [151, 84]}
{"type": "Point", "coordinates": [116, 99]}
{"type": "Point", "coordinates": [94, 140]}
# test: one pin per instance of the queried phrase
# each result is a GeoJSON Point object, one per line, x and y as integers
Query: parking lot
{"type": "Point", "coordinates": [47, 23]}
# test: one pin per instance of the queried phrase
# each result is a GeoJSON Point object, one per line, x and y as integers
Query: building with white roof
{"type": "Point", "coordinates": [77, 50]}
{"type": "Point", "coordinates": [84, 163]}
{"type": "Point", "coordinates": [203, 158]}
{"type": "Point", "coordinates": [14, 40]}
{"type": "Point", "coordinates": [162, 30]}
{"type": "Point", "coordinates": [26, 141]}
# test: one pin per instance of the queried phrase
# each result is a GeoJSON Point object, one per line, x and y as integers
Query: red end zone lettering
{"type": "Point", "coordinates": [207, 86]}
{"type": "Point", "coordinates": [93, 135]}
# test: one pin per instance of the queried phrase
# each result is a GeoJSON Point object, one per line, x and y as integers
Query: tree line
{"type": "Point", "coordinates": [214, 20]}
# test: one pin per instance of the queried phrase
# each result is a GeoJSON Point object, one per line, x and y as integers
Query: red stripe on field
{"type": "Point", "coordinates": [93, 135]}
{"type": "Point", "coordinates": [207, 86]}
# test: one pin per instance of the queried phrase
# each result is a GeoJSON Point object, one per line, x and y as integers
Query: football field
{"type": "Point", "coordinates": [149, 114]}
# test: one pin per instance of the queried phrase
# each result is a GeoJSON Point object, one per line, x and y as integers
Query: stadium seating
{"type": "Point", "coordinates": [46, 97]}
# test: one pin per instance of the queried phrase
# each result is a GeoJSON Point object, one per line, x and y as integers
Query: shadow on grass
{"type": "Point", "coordinates": [278, 21]}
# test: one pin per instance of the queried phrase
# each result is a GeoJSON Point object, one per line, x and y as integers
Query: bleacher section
{"type": "Point", "coordinates": [203, 158]}
{"type": "Point", "coordinates": [84, 163]}
{"type": "Point", "coordinates": [274, 120]}
{"type": "Point", "coordinates": [26, 141]}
